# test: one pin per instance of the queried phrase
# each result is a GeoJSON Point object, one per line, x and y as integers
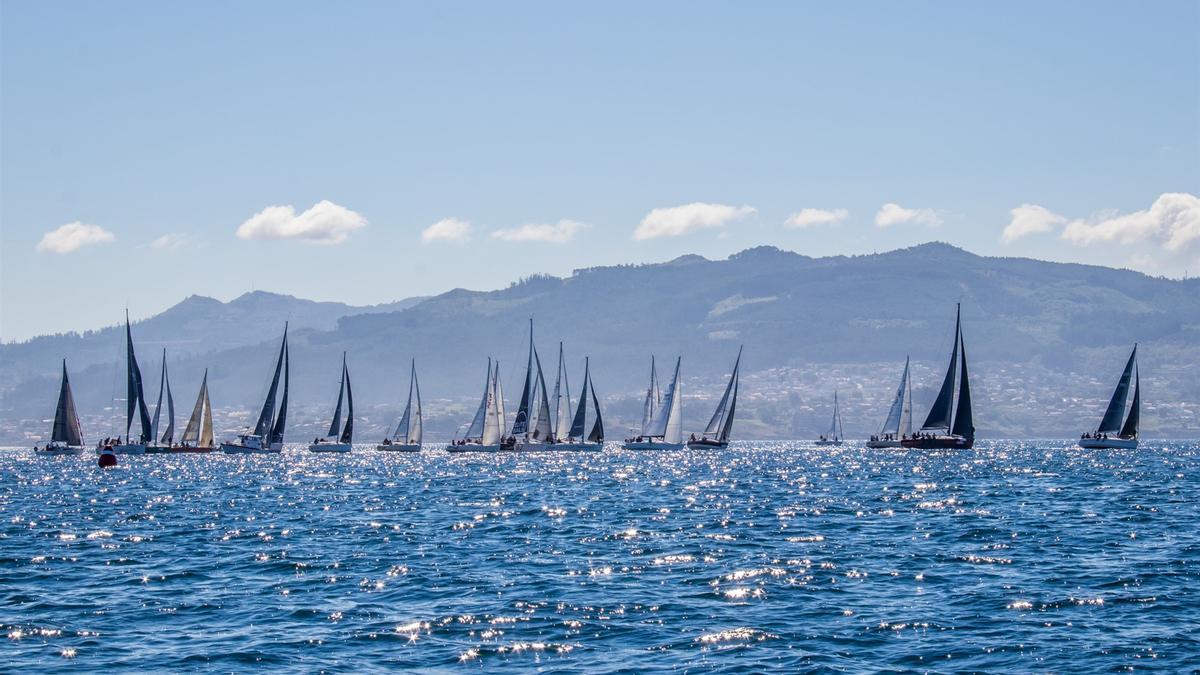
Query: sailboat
{"type": "Point", "coordinates": [562, 400]}
{"type": "Point", "coordinates": [340, 438]}
{"type": "Point", "coordinates": [578, 436]}
{"type": "Point", "coordinates": [163, 444]}
{"type": "Point", "coordinates": [267, 435]}
{"type": "Point", "coordinates": [198, 434]}
{"type": "Point", "coordinates": [483, 434]}
{"type": "Point", "coordinates": [407, 437]}
{"type": "Point", "coordinates": [1112, 434]}
{"type": "Point", "coordinates": [665, 431]}
{"type": "Point", "coordinates": [898, 424]}
{"type": "Point", "coordinates": [66, 436]}
{"type": "Point", "coordinates": [531, 429]}
{"type": "Point", "coordinates": [649, 406]}
{"type": "Point", "coordinates": [942, 430]}
{"type": "Point", "coordinates": [716, 434]}
{"type": "Point", "coordinates": [834, 436]}
{"type": "Point", "coordinates": [135, 402]}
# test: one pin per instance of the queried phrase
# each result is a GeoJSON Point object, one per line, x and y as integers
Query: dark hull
{"type": "Point", "coordinates": [939, 443]}
{"type": "Point", "coordinates": [176, 450]}
{"type": "Point", "coordinates": [707, 444]}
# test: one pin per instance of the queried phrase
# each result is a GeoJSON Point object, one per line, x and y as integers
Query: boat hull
{"type": "Point", "coordinates": [706, 444]}
{"type": "Point", "coordinates": [938, 443]}
{"type": "Point", "coordinates": [1108, 443]}
{"type": "Point", "coordinates": [51, 450]}
{"type": "Point", "coordinates": [884, 444]}
{"type": "Point", "coordinates": [575, 447]}
{"type": "Point", "coordinates": [474, 447]}
{"type": "Point", "coordinates": [653, 445]}
{"type": "Point", "coordinates": [827, 442]}
{"type": "Point", "coordinates": [399, 447]}
{"type": "Point", "coordinates": [239, 449]}
{"type": "Point", "coordinates": [330, 447]}
{"type": "Point", "coordinates": [129, 449]}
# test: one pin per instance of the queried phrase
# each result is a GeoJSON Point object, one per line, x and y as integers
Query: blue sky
{"type": "Point", "coordinates": [137, 140]}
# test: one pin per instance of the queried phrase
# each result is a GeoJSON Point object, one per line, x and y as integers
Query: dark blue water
{"type": "Point", "coordinates": [1011, 557]}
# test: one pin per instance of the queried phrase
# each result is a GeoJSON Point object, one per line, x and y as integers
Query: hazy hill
{"type": "Point", "coordinates": [1046, 341]}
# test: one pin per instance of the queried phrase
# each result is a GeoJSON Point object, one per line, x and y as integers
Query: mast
{"type": "Point", "coordinates": [335, 427]}
{"type": "Point", "coordinates": [348, 431]}
{"type": "Point", "coordinates": [1130, 430]}
{"type": "Point", "coordinates": [907, 416]}
{"type": "Point", "coordinates": [266, 418]}
{"type": "Point", "coordinates": [280, 424]}
{"type": "Point", "coordinates": [493, 425]}
{"type": "Point", "coordinates": [415, 430]}
{"type": "Point", "coordinates": [401, 433]}
{"type": "Point", "coordinates": [66, 427]}
{"type": "Point", "coordinates": [650, 407]}
{"type": "Point", "coordinates": [717, 424]}
{"type": "Point", "coordinates": [206, 427]}
{"type": "Point", "coordinates": [541, 427]}
{"type": "Point", "coordinates": [940, 414]}
{"type": "Point", "coordinates": [168, 436]}
{"type": "Point", "coordinates": [191, 433]}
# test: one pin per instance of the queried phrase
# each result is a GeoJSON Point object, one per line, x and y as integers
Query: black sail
{"type": "Point", "coordinates": [521, 422]}
{"type": "Point", "coordinates": [336, 425]}
{"type": "Point", "coordinates": [727, 428]}
{"type": "Point", "coordinates": [348, 432]}
{"type": "Point", "coordinates": [939, 414]}
{"type": "Point", "coordinates": [169, 435]}
{"type": "Point", "coordinates": [134, 399]}
{"type": "Point", "coordinates": [1116, 405]}
{"type": "Point", "coordinates": [281, 419]}
{"type": "Point", "coordinates": [1130, 430]}
{"type": "Point", "coordinates": [66, 421]}
{"type": "Point", "coordinates": [964, 423]}
{"type": "Point", "coordinates": [265, 418]}
{"type": "Point", "coordinates": [597, 433]}
{"type": "Point", "coordinates": [580, 418]}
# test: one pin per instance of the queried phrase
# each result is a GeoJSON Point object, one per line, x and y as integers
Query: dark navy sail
{"type": "Point", "coordinates": [168, 436]}
{"type": "Point", "coordinates": [348, 432]}
{"type": "Point", "coordinates": [597, 433]}
{"type": "Point", "coordinates": [577, 424]}
{"type": "Point", "coordinates": [1116, 405]}
{"type": "Point", "coordinates": [266, 418]}
{"type": "Point", "coordinates": [1130, 430]}
{"type": "Point", "coordinates": [66, 427]}
{"type": "Point", "coordinates": [281, 419]}
{"type": "Point", "coordinates": [521, 423]}
{"type": "Point", "coordinates": [964, 423]}
{"type": "Point", "coordinates": [939, 414]}
{"type": "Point", "coordinates": [336, 425]}
{"type": "Point", "coordinates": [134, 399]}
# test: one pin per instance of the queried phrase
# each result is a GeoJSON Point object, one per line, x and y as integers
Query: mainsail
{"type": "Point", "coordinates": [562, 399]}
{"type": "Point", "coordinates": [940, 414]}
{"type": "Point", "coordinates": [835, 425]}
{"type": "Point", "coordinates": [475, 430]}
{"type": "Point", "coordinates": [579, 422]}
{"type": "Point", "coordinates": [134, 398]}
{"type": "Point", "coordinates": [653, 400]}
{"type": "Point", "coordinates": [541, 427]}
{"type": "Point", "coordinates": [200, 420]}
{"type": "Point", "coordinates": [493, 424]}
{"type": "Point", "coordinates": [899, 419]}
{"type": "Point", "coordinates": [668, 423]}
{"type": "Point", "coordinates": [719, 426]}
{"type": "Point", "coordinates": [1130, 430]}
{"type": "Point", "coordinates": [521, 421]}
{"type": "Point", "coordinates": [280, 424]}
{"type": "Point", "coordinates": [162, 381]}
{"type": "Point", "coordinates": [335, 426]}
{"type": "Point", "coordinates": [266, 417]}
{"type": "Point", "coordinates": [1111, 422]}
{"type": "Point", "coordinates": [964, 423]}
{"type": "Point", "coordinates": [66, 427]}
{"type": "Point", "coordinates": [597, 433]}
{"type": "Point", "coordinates": [409, 428]}
{"type": "Point", "coordinates": [348, 431]}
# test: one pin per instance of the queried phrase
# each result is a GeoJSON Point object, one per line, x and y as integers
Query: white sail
{"type": "Point", "coordinates": [835, 425]}
{"type": "Point", "coordinates": [475, 430]}
{"type": "Point", "coordinates": [717, 423]}
{"type": "Point", "coordinates": [562, 400]}
{"type": "Point", "coordinates": [541, 427]}
{"type": "Point", "coordinates": [906, 417]}
{"type": "Point", "coordinates": [206, 428]}
{"type": "Point", "coordinates": [653, 399]}
{"type": "Point", "coordinates": [493, 424]}
{"type": "Point", "coordinates": [891, 425]}
{"type": "Point", "coordinates": [415, 430]}
{"type": "Point", "coordinates": [668, 423]}
{"type": "Point", "coordinates": [191, 433]}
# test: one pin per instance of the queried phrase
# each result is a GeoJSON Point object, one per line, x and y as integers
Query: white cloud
{"type": "Point", "coordinates": [811, 217]}
{"type": "Point", "coordinates": [324, 223]}
{"type": "Point", "coordinates": [893, 214]}
{"type": "Point", "coordinates": [677, 220]}
{"type": "Point", "coordinates": [172, 242]}
{"type": "Point", "coordinates": [1173, 219]}
{"type": "Point", "coordinates": [73, 236]}
{"type": "Point", "coordinates": [1030, 219]}
{"type": "Point", "coordinates": [447, 229]}
{"type": "Point", "coordinates": [557, 233]}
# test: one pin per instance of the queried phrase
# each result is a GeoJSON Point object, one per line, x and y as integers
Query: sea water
{"type": "Point", "coordinates": [1014, 556]}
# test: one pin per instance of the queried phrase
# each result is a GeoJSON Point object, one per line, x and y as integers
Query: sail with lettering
{"type": "Point", "coordinates": [66, 430]}
{"type": "Point", "coordinates": [493, 425]}
{"type": "Point", "coordinates": [520, 425]}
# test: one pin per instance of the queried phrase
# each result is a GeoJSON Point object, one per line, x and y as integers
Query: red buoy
{"type": "Point", "coordinates": [107, 458]}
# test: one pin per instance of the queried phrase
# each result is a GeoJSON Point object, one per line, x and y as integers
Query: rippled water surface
{"type": "Point", "coordinates": [1013, 556]}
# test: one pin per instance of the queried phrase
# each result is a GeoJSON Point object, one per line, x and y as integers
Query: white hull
{"type": "Point", "coordinates": [531, 447]}
{"type": "Point", "coordinates": [575, 447]}
{"type": "Point", "coordinates": [653, 445]}
{"type": "Point", "coordinates": [128, 449]}
{"type": "Point", "coordinates": [1108, 443]}
{"type": "Point", "coordinates": [883, 444]}
{"type": "Point", "coordinates": [473, 447]}
{"type": "Point", "coordinates": [330, 447]}
{"type": "Point", "coordinates": [239, 449]}
{"type": "Point", "coordinates": [399, 447]}
{"type": "Point", "coordinates": [60, 450]}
